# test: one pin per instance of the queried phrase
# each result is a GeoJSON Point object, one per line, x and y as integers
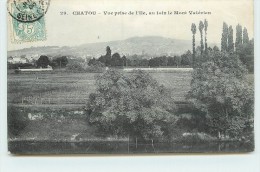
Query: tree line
{"type": "Point", "coordinates": [135, 60]}
{"type": "Point", "coordinates": [243, 46]}
{"type": "Point", "coordinates": [43, 62]}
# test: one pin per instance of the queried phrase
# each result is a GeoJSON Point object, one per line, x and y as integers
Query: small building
{"type": "Point", "coordinates": [16, 60]}
{"type": "Point", "coordinates": [48, 69]}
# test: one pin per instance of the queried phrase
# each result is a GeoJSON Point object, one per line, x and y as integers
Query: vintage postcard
{"type": "Point", "coordinates": [130, 77]}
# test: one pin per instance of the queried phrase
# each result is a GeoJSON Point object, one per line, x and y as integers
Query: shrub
{"type": "Point", "coordinates": [17, 121]}
{"type": "Point", "coordinates": [75, 67]}
{"type": "Point", "coordinates": [95, 67]}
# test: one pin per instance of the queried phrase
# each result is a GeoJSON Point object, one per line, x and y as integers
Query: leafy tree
{"type": "Point", "coordinates": [92, 61]}
{"type": "Point", "coordinates": [124, 60]}
{"type": "Point", "coordinates": [193, 30]}
{"type": "Point", "coordinates": [246, 54]}
{"type": "Point", "coordinates": [75, 67]}
{"type": "Point", "coordinates": [108, 51]}
{"type": "Point", "coordinates": [43, 61]}
{"type": "Point", "coordinates": [130, 104]}
{"type": "Point", "coordinates": [219, 88]}
{"type": "Point", "coordinates": [210, 49]}
{"type": "Point", "coordinates": [206, 29]}
{"type": "Point", "coordinates": [215, 48]}
{"type": "Point", "coordinates": [102, 59]}
{"type": "Point", "coordinates": [224, 39]}
{"type": "Point", "coordinates": [155, 62]}
{"type": "Point", "coordinates": [107, 58]}
{"type": "Point", "coordinates": [144, 62]}
{"type": "Point", "coordinates": [245, 36]}
{"type": "Point", "coordinates": [199, 57]}
{"type": "Point", "coordinates": [96, 63]}
{"type": "Point", "coordinates": [61, 61]}
{"type": "Point", "coordinates": [177, 60]}
{"type": "Point", "coordinates": [170, 61]}
{"type": "Point", "coordinates": [230, 40]}
{"type": "Point", "coordinates": [16, 121]}
{"type": "Point", "coordinates": [116, 60]}
{"type": "Point", "coordinates": [201, 27]}
{"type": "Point", "coordinates": [134, 60]}
{"type": "Point", "coordinates": [163, 60]}
{"type": "Point", "coordinates": [239, 39]}
{"type": "Point", "coordinates": [186, 59]}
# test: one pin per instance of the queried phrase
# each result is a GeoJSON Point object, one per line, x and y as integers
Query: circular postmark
{"type": "Point", "coordinates": [28, 10]}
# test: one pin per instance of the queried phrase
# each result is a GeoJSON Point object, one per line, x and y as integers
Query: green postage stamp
{"type": "Point", "coordinates": [27, 20]}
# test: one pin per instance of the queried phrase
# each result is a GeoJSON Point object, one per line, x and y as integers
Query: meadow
{"type": "Point", "coordinates": [52, 104]}
{"type": "Point", "coordinates": [74, 88]}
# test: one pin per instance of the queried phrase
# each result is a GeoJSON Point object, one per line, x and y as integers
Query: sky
{"type": "Point", "coordinates": [73, 30]}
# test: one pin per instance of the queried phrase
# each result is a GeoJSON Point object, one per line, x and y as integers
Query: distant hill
{"type": "Point", "coordinates": [149, 45]}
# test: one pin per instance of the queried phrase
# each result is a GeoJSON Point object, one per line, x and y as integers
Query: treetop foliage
{"type": "Point", "coordinates": [43, 61]}
{"type": "Point", "coordinates": [133, 104]}
{"type": "Point", "coordinates": [220, 88]}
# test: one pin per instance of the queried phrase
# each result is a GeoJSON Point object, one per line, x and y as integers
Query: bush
{"type": "Point", "coordinates": [17, 121]}
{"type": "Point", "coordinates": [75, 67]}
{"type": "Point", "coordinates": [95, 67]}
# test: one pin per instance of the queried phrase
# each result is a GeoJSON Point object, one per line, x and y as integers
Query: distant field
{"type": "Point", "coordinates": [73, 88]}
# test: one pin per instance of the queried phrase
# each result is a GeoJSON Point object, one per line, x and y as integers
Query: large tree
{"type": "Point", "coordinates": [239, 39]}
{"type": "Point", "coordinates": [206, 29]}
{"type": "Point", "coordinates": [61, 61]}
{"type": "Point", "coordinates": [108, 56]}
{"type": "Point", "coordinates": [186, 59]}
{"type": "Point", "coordinates": [193, 30]}
{"type": "Point", "coordinates": [201, 27]}
{"type": "Point", "coordinates": [230, 39]}
{"type": "Point", "coordinates": [215, 48]}
{"type": "Point", "coordinates": [116, 60]}
{"type": "Point", "coordinates": [43, 61]}
{"type": "Point", "coordinates": [220, 88]}
{"type": "Point", "coordinates": [177, 60]}
{"type": "Point", "coordinates": [124, 60]}
{"type": "Point", "coordinates": [245, 36]}
{"type": "Point", "coordinates": [246, 54]}
{"type": "Point", "coordinates": [132, 105]}
{"type": "Point", "coordinates": [224, 38]}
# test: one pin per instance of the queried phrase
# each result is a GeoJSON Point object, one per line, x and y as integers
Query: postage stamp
{"type": "Point", "coordinates": [27, 20]}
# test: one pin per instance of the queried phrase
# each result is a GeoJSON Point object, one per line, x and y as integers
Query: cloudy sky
{"type": "Point", "coordinates": [72, 30]}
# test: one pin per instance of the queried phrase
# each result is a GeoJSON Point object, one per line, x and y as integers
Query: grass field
{"type": "Point", "coordinates": [74, 88]}
{"type": "Point", "coordinates": [58, 95]}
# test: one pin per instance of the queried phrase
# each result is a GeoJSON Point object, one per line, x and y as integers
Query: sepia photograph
{"type": "Point", "coordinates": [130, 77]}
